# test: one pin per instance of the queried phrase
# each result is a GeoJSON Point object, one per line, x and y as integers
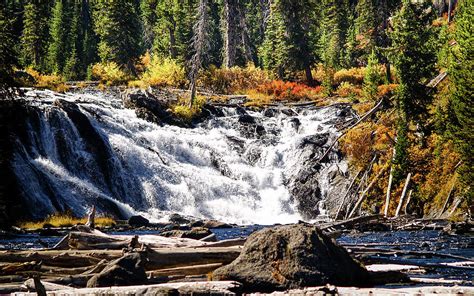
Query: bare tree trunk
{"type": "Point", "coordinates": [172, 49]}
{"type": "Point", "coordinates": [347, 194]}
{"type": "Point", "coordinates": [200, 44]}
{"type": "Point", "coordinates": [408, 202]}
{"type": "Point", "coordinates": [404, 192]}
{"type": "Point", "coordinates": [389, 186]}
{"type": "Point", "coordinates": [363, 195]}
{"type": "Point", "coordinates": [231, 28]}
{"type": "Point", "coordinates": [450, 10]}
{"type": "Point", "coordinates": [447, 199]}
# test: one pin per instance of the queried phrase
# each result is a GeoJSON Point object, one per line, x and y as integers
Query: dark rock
{"type": "Point", "coordinates": [138, 221]}
{"type": "Point", "coordinates": [246, 119]}
{"type": "Point", "coordinates": [288, 112]}
{"type": "Point", "coordinates": [194, 233]}
{"type": "Point", "coordinates": [197, 223]}
{"type": "Point", "coordinates": [295, 122]}
{"type": "Point", "coordinates": [125, 271]}
{"type": "Point", "coordinates": [213, 224]}
{"type": "Point", "coordinates": [292, 256]}
{"type": "Point", "coordinates": [49, 232]}
{"type": "Point", "coordinates": [270, 112]}
{"type": "Point", "coordinates": [178, 219]}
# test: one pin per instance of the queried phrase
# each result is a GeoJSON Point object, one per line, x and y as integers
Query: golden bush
{"type": "Point", "coordinates": [163, 72]}
{"type": "Point", "coordinates": [109, 73]}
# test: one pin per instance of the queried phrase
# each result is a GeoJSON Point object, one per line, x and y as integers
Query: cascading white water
{"type": "Point", "coordinates": [210, 171]}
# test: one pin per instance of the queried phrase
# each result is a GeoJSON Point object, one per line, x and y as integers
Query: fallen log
{"type": "Point", "coordinates": [402, 198]}
{"type": "Point", "coordinates": [183, 288]}
{"type": "Point", "coordinates": [346, 195]}
{"type": "Point", "coordinates": [363, 195]}
{"type": "Point", "coordinates": [31, 286]}
{"type": "Point", "coordinates": [350, 222]}
{"type": "Point", "coordinates": [170, 258]}
{"type": "Point", "coordinates": [185, 271]}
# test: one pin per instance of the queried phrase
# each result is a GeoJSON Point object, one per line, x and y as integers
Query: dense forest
{"type": "Point", "coordinates": [359, 51]}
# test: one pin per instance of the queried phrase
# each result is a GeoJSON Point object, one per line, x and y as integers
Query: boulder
{"type": "Point", "coordinates": [138, 221]}
{"type": "Point", "coordinates": [178, 219]}
{"type": "Point", "coordinates": [125, 271]}
{"type": "Point", "coordinates": [195, 233]}
{"type": "Point", "coordinates": [292, 256]}
{"type": "Point", "coordinates": [215, 224]}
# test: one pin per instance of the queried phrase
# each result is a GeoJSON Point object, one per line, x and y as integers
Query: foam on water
{"type": "Point", "coordinates": [164, 169]}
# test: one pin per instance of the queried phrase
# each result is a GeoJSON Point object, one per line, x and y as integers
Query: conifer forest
{"type": "Point", "coordinates": [180, 115]}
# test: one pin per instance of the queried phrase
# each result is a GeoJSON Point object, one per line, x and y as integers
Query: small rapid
{"type": "Point", "coordinates": [237, 167]}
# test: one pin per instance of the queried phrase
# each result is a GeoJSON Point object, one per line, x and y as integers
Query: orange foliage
{"type": "Point", "coordinates": [281, 90]}
{"type": "Point", "coordinates": [387, 90]}
{"type": "Point", "coordinates": [353, 75]}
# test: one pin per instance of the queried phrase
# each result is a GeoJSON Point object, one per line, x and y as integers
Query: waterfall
{"type": "Point", "coordinates": [85, 148]}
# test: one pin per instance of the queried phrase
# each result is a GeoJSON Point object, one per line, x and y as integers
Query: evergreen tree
{"type": "Point", "coordinates": [334, 27]}
{"type": "Point", "coordinates": [149, 19]}
{"type": "Point", "coordinates": [71, 67]}
{"type": "Point", "coordinates": [371, 78]}
{"type": "Point", "coordinates": [58, 31]}
{"type": "Point", "coordinates": [174, 28]}
{"type": "Point", "coordinates": [366, 24]}
{"type": "Point", "coordinates": [87, 40]}
{"type": "Point", "coordinates": [462, 77]}
{"type": "Point", "coordinates": [35, 34]}
{"type": "Point", "coordinates": [7, 54]}
{"type": "Point", "coordinates": [118, 26]}
{"type": "Point", "coordinates": [276, 48]}
{"type": "Point", "coordinates": [413, 55]}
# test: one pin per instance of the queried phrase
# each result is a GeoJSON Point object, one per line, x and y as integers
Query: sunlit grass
{"type": "Point", "coordinates": [65, 220]}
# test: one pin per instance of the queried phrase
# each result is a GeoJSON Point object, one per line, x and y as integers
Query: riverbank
{"type": "Point", "coordinates": [443, 258]}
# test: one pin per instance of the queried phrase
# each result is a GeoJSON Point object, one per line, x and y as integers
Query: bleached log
{"type": "Point", "coordinates": [170, 258]}
{"type": "Point", "coordinates": [389, 191]}
{"type": "Point", "coordinates": [186, 270]}
{"type": "Point", "coordinates": [30, 285]}
{"type": "Point", "coordinates": [364, 194]}
{"type": "Point", "coordinates": [405, 209]}
{"type": "Point", "coordinates": [188, 288]}
{"type": "Point", "coordinates": [445, 205]}
{"type": "Point", "coordinates": [347, 194]}
{"type": "Point", "coordinates": [404, 192]}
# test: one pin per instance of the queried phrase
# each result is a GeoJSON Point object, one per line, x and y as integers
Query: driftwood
{"type": "Point", "coordinates": [405, 210]}
{"type": "Point", "coordinates": [389, 186]}
{"type": "Point", "coordinates": [404, 192]}
{"type": "Point", "coordinates": [187, 288]}
{"type": "Point", "coordinates": [31, 284]}
{"type": "Point", "coordinates": [445, 205]}
{"type": "Point", "coordinates": [346, 195]}
{"type": "Point", "coordinates": [346, 224]}
{"type": "Point", "coordinates": [186, 270]}
{"type": "Point", "coordinates": [363, 195]}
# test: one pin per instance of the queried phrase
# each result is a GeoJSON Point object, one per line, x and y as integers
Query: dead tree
{"type": "Point", "coordinates": [200, 45]}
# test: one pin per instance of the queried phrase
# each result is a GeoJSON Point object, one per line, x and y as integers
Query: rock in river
{"type": "Point", "coordinates": [292, 256]}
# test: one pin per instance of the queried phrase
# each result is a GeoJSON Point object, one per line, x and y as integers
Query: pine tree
{"type": "Point", "coordinates": [58, 31]}
{"type": "Point", "coordinates": [174, 28]}
{"type": "Point", "coordinates": [462, 77]}
{"type": "Point", "coordinates": [149, 19]}
{"type": "Point", "coordinates": [118, 26]}
{"type": "Point", "coordinates": [7, 54]}
{"type": "Point", "coordinates": [276, 48]}
{"type": "Point", "coordinates": [366, 24]}
{"type": "Point", "coordinates": [35, 34]}
{"type": "Point", "coordinates": [71, 67]}
{"type": "Point", "coordinates": [371, 78]}
{"type": "Point", "coordinates": [413, 55]}
{"type": "Point", "coordinates": [87, 40]}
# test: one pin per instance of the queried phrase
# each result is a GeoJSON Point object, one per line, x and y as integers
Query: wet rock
{"type": "Point", "coordinates": [150, 107]}
{"type": "Point", "coordinates": [194, 233]}
{"type": "Point", "coordinates": [288, 112]}
{"type": "Point", "coordinates": [197, 223]}
{"type": "Point", "coordinates": [214, 224]}
{"type": "Point", "coordinates": [178, 219]}
{"type": "Point", "coordinates": [246, 119]}
{"type": "Point", "coordinates": [270, 112]}
{"type": "Point", "coordinates": [292, 256]}
{"type": "Point", "coordinates": [138, 221]}
{"type": "Point", "coordinates": [295, 122]}
{"type": "Point", "coordinates": [49, 232]}
{"type": "Point", "coordinates": [125, 271]}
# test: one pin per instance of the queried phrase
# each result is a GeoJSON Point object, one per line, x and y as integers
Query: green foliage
{"type": "Point", "coordinates": [57, 44]}
{"type": "Point", "coordinates": [414, 56]}
{"type": "Point", "coordinates": [7, 54]}
{"type": "Point", "coordinates": [462, 77]}
{"type": "Point", "coordinates": [35, 34]}
{"type": "Point", "coordinates": [371, 78]}
{"type": "Point", "coordinates": [119, 30]}
{"type": "Point", "coordinates": [366, 24]}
